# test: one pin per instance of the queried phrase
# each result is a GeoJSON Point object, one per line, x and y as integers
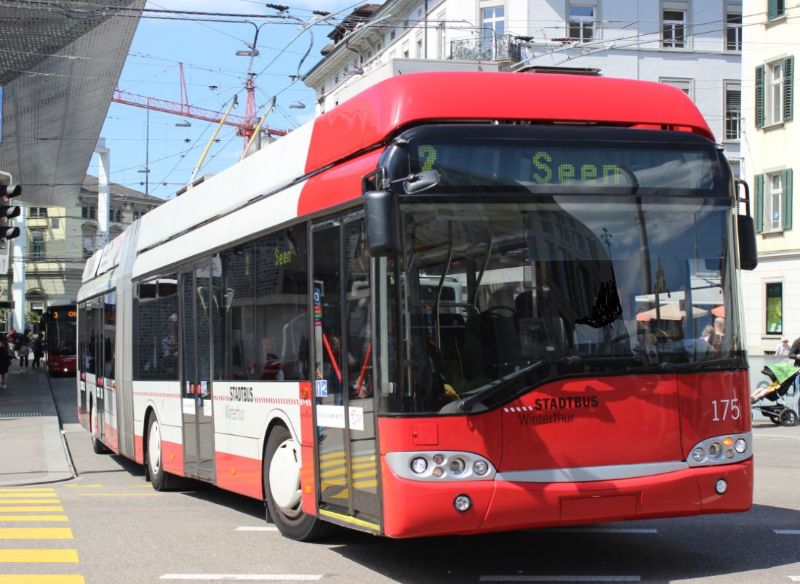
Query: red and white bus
{"type": "Point", "coordinates": [457, 303]}
{"type": "Point", "coordinates": [60, 336]}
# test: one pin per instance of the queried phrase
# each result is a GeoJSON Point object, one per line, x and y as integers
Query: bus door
{"type": "Point", "coordinates": [199, 297]}
{"type": "Point", "coordinates": [347, 461]}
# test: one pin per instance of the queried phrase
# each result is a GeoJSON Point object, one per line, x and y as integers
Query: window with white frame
{"type": "Point", "coordinates": [673, 26]}
{"type": "Point", "coordinates": [580, 21]}
{"type": "Point", "coordinates": [493, 25]}
{"type": "Point", "coordinates": [420, 48]}
{"type": "Point", "coordinates": [774, 103]}
{"type": "Point", "coordinates": [685, 85]}
{"type": "Point", "coordinates": [774, 92]}
{"type": "Point", "coordinates": [773, 202]}
{"type": "Point", "coordinates": [733, 27]}
{"type": "Point", "coordinates": [733, 110]}
{"type": "Point", "coordinates": [37, 244]}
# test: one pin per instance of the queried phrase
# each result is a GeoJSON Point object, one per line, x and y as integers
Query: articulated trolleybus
{"type": "Point", "coordinates": [457, 303]}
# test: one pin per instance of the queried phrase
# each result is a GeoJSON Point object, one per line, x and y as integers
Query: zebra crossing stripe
{"type": "Point", "coordinates": [51, 518]}
{"type": "Point", "coordinates": [35, 533]}
{"type": "Point", "coordinates": [30, 500]}
{"type": "Point", "coordinates": [37, 508]}
{"type": "Point", "coordinates": [41, 579]}
{"type": "Point", "coordinates": [19, 556]}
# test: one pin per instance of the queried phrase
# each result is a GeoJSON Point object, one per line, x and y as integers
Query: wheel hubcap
{"type": "Point", "coordinates": [154, 449]}
{"type": "Point", "coordinates": [284, 478]}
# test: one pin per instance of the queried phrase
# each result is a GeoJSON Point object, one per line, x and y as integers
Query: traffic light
{"type": "Point", "coordinates": [7, 192]}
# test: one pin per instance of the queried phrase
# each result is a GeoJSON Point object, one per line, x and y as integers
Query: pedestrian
{"type": "Point", "coordinates": [12, 337]}
{"type": "Point", "coordinates": [38, 349]}
{"type": "Point", "coordinates": [783, 348]}
{"type": "Point", "coordinates": [23, 348]}
{"type": "Point", "coordinates": [5, 362]}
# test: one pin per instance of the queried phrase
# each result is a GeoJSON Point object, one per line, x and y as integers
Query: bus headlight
{"type": "Point", "coordinates": [457, 466]}
{"type": "Point", "coordinates": [419, 465]}
{"type": "Point", "coordinates": [440, 466]}
{"type": "Point", "coordinates": [725, 449]}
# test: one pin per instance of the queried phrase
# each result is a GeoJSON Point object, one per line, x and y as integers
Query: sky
{"type": "Point", "coordinates": [213, 74]}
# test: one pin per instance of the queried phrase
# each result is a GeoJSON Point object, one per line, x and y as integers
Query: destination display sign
{"type": "Point", "coordinates": [582, 164]}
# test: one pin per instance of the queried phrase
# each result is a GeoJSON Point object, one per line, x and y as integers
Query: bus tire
{"type": "Point", "coordinates": [282, 488]}
{"type": "Point", "coordinates": [97, 446]}
{"type": "Point", "coordinates": [161, 480]}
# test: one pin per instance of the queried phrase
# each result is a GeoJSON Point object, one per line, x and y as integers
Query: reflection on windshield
{"type": "Point", "coordinates": [60, 337]}
{"type": "Point", "coordinates": [601, 284]}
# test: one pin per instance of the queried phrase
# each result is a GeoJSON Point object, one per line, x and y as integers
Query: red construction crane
{"type": "Point", "coordinates": [245, 124]}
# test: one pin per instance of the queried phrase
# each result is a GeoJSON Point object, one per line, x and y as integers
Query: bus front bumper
{"type": "Point", "coordinates": [417, 509]}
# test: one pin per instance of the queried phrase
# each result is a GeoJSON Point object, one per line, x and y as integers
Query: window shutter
{"type": "Point", "coordinates": [758, 212]}
{"type": "Point", "coordinates": [788, 78]}
{"type": "Point", "coordinates": [760, 96]}
{"type": "Point", "coordinates": [772, 9]}
{"type": "Point", "coordinates": [787, 199]}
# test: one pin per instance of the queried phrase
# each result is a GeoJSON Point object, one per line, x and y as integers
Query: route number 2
{"type": "Point", "coordinates": [725, 409]}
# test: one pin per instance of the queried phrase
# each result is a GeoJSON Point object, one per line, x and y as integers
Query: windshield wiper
{"type": "Point", "coordinates": [479, 394]}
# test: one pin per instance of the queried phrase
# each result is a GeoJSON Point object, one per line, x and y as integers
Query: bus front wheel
{"type": "Point", "coordinates": [282, 487]}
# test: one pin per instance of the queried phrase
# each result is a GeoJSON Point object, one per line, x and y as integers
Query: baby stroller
{"type": "Point", "coordinates": [778, 399]}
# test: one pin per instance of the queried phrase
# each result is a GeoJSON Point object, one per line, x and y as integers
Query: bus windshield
{"type": "Point", "coordinates": [60, 336]}
{"type": "Point", "coordinates": [493, 298]}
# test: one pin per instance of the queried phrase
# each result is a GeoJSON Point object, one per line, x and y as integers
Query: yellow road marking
{"type": "Point", "coordinates": [49, 501]}
{"type": "Point", "coordinates": [27, 492]}
{"type": "Point", "coordinates": [79, 486]}
{"type": "Point", "coordinates": [35, 533]}
{"type": "Point", "coordinates": [41, 579]}
{"type": "Point", "coordinates": [38, 508]}
{"type": "Point", "coordinates": [38, 556]}
{"type": "Point", "coordinates": [57, 518]}
{"type": "Point", "coordinates": [119, 494]}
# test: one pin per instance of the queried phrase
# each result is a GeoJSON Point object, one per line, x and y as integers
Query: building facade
{"type": "Point", "coordinates": [771, 292]}
{"type": "Point", "coordinates": [692, 44]}
{"type": "Point", "coordinates": [60, 238]}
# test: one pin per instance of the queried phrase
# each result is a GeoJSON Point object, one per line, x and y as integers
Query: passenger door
{"type": "Point", "coordinates": [347, 460]}
{"type": "Point", "coordinates": [200, 310]}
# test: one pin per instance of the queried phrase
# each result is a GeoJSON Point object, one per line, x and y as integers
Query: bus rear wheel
{"type": "Point", "coordinates": [282, 488]}
{"type": "Point", "coordinates": [160, 479]}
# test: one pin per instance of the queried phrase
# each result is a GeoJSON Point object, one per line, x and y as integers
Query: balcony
{"type": "Point", "coordinates": [499, 48]}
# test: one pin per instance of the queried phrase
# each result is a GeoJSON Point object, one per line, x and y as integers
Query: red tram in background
{"type": "Point", "coordinates": [60, 338]}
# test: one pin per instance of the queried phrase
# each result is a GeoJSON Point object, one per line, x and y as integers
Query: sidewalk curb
{"type": "Point", "coordinates": [67, 453]}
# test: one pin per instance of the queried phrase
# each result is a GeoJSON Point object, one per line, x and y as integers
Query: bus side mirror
{"type": "Point", "coordinates": [382, 218]}
{"type": "Point", "coordinates": [748, 254]}
{"type": "Point", "coordinates": [745, 227]}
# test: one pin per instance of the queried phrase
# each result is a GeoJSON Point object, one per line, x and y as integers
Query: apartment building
{"type": "Point", "coordinates": [772, 292]}
{"type": "Point", "coordinates": [695, 45]}
{"type": "Point", "coordinates": [60, 238]}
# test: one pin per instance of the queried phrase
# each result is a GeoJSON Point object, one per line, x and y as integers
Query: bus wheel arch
{"type": "Point", "coordinates": [284, 505]}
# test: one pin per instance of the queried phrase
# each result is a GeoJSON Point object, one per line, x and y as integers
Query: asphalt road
{"type": "Point", "coordinates": [125, 532]}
